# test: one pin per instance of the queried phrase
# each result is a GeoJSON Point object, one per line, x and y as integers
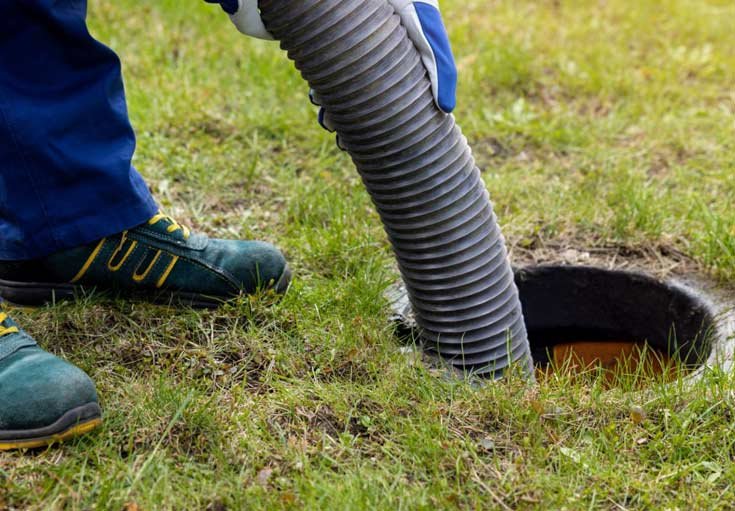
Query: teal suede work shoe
{"type": "Point", "coordinates": [160, 261]}
{"type": "Point", "coordinates": [43, 400]}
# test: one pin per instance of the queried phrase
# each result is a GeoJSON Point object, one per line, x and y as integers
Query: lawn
{"type": "Point", "coordinates": [605, 131]}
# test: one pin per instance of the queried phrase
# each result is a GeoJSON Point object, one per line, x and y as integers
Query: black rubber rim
{"type": "Point", "coordinates": [39, 293]}
{"type": "Point", "coordinates": [70, 419]}
{"type": "Point", "coordinates": [563, 304]}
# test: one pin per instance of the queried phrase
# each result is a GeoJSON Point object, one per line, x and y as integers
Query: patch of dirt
{"type": "Point", "coordinates": [660, 260]}
{"type": "Point", "coordinates": [216, 128]}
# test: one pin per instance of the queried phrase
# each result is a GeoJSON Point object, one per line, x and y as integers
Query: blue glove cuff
{"type": "Point", "coordinates": [436, 33]}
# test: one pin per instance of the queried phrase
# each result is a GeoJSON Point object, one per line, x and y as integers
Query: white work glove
{"type": "Point", "coordinates": [425, 28]}
{"type": "Point", "coordinates": [423, 22]}
{"type": "Point", "coordinates": [246, 17]}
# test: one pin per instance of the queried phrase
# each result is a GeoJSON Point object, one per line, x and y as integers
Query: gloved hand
{"type": "Point", "coordinates": [425, 28]}
{"type": "Point", "coordinates": [246, 16]}
{"type": "Point", "coordinates": [422, 21]}
{"type": "Point", "coordinates": [424, 25]}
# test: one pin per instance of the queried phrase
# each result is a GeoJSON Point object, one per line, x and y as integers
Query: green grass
{"type": "Point", "coordinates": [608, 127]}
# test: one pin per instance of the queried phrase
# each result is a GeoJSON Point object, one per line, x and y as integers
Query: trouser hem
{"type": "Point", "coordinates": [84, 230]}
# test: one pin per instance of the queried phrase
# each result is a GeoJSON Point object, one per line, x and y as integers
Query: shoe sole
{"type": "Point", "coordinates": [34, 294]}
{"type": "Point", "coordinates": [73, 423]}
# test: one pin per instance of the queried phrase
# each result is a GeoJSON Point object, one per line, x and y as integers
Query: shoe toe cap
{"type": "Point", "coordinates": [258, 265]}
{"type": "Point", "coordinates": [270, 266]}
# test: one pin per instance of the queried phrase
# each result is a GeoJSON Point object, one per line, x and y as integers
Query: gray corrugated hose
{"type": "Point", "coordinates": [419, 171]}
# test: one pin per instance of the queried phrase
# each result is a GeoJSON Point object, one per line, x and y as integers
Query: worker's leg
{"type": "Point", "coordinates": [74, 214]}
{"type": "Point", "coordinates": [65, 140]}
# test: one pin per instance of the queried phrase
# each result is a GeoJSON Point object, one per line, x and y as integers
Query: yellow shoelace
{"type": "Point", "coordinates": [6, 330]}
{"type": "Point", "coordinates": [175, 226]}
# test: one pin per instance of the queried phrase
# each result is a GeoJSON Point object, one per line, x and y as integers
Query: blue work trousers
{"type": "Point", "coordinates": [66, 143]}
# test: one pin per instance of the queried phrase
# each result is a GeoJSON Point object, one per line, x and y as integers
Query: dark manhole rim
{"type": "Point", "coordinates": [682, 318]}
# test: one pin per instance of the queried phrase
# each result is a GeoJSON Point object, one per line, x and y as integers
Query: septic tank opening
{"type": "Point", "coordinates": [585, 318]}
